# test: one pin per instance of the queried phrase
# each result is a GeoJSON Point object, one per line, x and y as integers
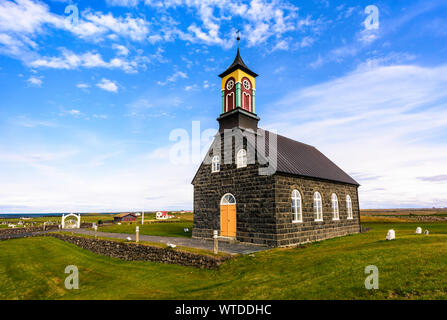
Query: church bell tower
{"type": "Point", "coordinates": [238, 96]}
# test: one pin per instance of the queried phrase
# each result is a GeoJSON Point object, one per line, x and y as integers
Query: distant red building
{"type": "Point", "coordinates": [125, 217]}
{"type": "Point", "coordinates": [163, 215]}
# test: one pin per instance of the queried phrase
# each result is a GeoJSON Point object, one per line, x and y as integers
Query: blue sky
{"type": "Point", "coordinates": [87, 105]}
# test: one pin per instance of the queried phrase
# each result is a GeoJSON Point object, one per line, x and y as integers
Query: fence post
{"type": "Point", "coordinates": [137, 234]}
{"type": "Point", "coordinates": [216, 242]}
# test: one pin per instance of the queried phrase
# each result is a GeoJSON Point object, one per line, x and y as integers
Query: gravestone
{"type": "Point", "coordinates": [391, 235]}
{"type": "Point", "coordinates": [418, 230]}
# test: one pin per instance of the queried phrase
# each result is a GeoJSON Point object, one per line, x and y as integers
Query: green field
{"type": "Point", "coordinates": [170, 229]}
{"type": "Point", "coordinates": [94, 217]}
{"type": "Point", "coordinates": [411, 267]}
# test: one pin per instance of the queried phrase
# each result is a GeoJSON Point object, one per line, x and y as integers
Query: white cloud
{"type": "Point", "coordinates": [191, 87]}
{"type": "Point", "coordinates": [71, 112]}
{"type": "Point", "coordinates": [122, 3]}
{"type": "Point", "coordinates": [82, 86]}
{"type": "Point", "coordinates": [69, 60]}
{"type": "Point", "coordinates": [74, 112]}
{"type": "Point", "coordinates": [100, 116]}
{"type": "Point", "coordinates": [24, 20]}
{"type": "Point", "coordinates": [122, 50]}
{"type": "Point", "coordinates": [31, 17]}
{"type": "Point", "coordinates": [95, 24]}
{"type": "Point", "coordinates": [107, 85]}
{"type": "Point", "coordinates": [262, 20]}
{"type": "Point", "coordinates": [383, 122]}
{"type": "Point", "coordinates": [26, 16]}
{"type": "Point", "coordinates": [34, 81]}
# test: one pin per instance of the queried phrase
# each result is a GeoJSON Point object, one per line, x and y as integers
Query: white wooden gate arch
{"type": "Point", "coordinates": [77, 216]}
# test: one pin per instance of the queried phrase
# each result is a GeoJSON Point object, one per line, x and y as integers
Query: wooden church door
{"type": "Point", "coordinates": [228, 216]}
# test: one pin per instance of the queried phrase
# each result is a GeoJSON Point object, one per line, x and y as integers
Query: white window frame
{"type": "Point", "coordinates": [349, 207]}
{"type": "Point", "coordinates": [318, 206]}
{"type": "Point", "coordinates": [249, 101]}
{"type": "Point", "coordinates": [230, 96]}
{"type": "Point", "coordinates": [227, 199]}
{"type": "Point", "coordinates": [335, 207]}
{"type": "Point", "coordinates": [297, 215]}
{"type": "Point", "coordinates": [215, 164]}
{"type": "Point", "coordinates": [241, 158]}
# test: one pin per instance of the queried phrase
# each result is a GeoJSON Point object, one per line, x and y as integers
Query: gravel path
{"type": "Point", "coordinates": [233, 248]}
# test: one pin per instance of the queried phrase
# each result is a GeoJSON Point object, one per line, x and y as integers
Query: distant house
{"type": "Point", "coordinates": [125, 217]}
{"type": "Point", "coordinates": [163, 215]}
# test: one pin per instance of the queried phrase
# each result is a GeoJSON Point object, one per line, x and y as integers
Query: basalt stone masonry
{"type": "Point", "coordinates": [9, 232]}
{"type": "Point", "coordinates": [290, 233]}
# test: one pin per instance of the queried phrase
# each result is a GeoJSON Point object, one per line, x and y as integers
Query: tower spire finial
{"type": "Point", "coordinates": [238, 38]}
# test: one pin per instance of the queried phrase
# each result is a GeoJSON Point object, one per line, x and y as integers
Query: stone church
{"type": "Point", "coordinates": [259, 187]}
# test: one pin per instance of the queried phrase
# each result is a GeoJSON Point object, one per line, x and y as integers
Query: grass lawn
{"type": "Point", "coordinates": [411, 267]}
{"type": "Point", "coordinates": [170, 229]}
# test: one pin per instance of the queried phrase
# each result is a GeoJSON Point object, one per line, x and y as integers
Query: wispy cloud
{"type": "Point", "coordinates": [27, 122]}
{"type": "Point", "coordinates": [83, 86]}
{"type": "Point", "coordinates": [173, 78]}
{"type": "Point", "coordinates": [69, 60]}
{"type": "Point", "coordinates": [380, 124]}
{"type": "Point", "coordinates": [439, 178]}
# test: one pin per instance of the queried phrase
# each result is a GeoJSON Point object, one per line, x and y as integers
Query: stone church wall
{"type": "Point", "coordinates": [289, 233]}
{"type": "Point", "coordinates": [254, 195]}
{"type": "Point", "coordinates": [254, 203]}
{"type": "Point", "coordinates": [263, 205]}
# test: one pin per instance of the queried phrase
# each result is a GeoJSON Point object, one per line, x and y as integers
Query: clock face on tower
{"type": "Point", "coordinates": [246, 85]}
{"type": "Point", "coordinates": [230, 84]}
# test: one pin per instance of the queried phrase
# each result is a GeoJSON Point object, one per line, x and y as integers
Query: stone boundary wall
{"type": "Point", "coordinates": [139, 252]}
{"type": "Point", "coordinates": [13, 232]}
{"type": "Point", "coordinates": [86, 225]}
{"type": "Point", "coordinates": [5, 233]}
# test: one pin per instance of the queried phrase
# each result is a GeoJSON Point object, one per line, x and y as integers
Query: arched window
{"type": "Point", "coordinates": [297, 211]}
{"type": "Point", "coordinates": [241, 160]}
{"type": "Point", "coordinates": [228, 199]}
{"type": "Point", "coordinates": [318, 207]}
{"type": "Point", "coordinates": [246, 94]}
{"type": "Point", "coordinates": [349, 206]}
{"type": "Point", "coordinates": [230, 94]}
{"type": "Point", "coordinates": [230, 101]}
{"type": "Point", "coordinates": [335, 209]}
{"type": "Point", "coordinates": [215, 164]}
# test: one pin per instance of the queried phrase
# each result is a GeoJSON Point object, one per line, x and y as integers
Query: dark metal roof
{"type": "Point", "coordinates": [238, 63]}
{"type": "Point", "coordinates": [297, 158]}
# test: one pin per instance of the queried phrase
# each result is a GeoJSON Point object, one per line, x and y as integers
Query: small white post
{"type": "Point", "coordinates": [63, 221]}
{"type": "Point", "coordinates": [216, 242]}
{"type": "Point", "coordinates": [95, 227]}
{"type": "Point", "coordinates": [137, 238]}
{"type": "Point", "coordinates": [142, 218]}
